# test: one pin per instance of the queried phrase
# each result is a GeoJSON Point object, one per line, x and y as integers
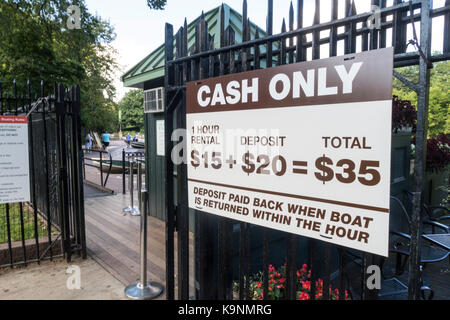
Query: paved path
{"type": "Point", "coordinates": [48, 281]}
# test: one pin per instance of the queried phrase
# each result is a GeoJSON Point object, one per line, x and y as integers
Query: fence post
{"type": "Point", "coordinates": [78, 178]}
{"type": "Point", "coordinates": [63, 190]}
{"type": "Point", "coordinates": [420, 158]}
{"type": "Point", "coordinates": [169, 205]}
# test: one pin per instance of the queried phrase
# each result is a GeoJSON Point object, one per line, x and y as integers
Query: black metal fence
{"type": "Point", "coordinates": [213, 267]}
{"type": "Point", "coordinates": [52, 223]}
{"type": "Point", "coordinates": [99, 159]}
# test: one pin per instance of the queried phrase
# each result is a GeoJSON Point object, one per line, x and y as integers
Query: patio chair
{"type": "Point", "coordinates": [434, 216]}
{"type": "Point", "coordinates": [393, 285]}
{"type": "Point", "coordinates": [399, 242]}
{"type": "Point", "coordinates": [394, 278]}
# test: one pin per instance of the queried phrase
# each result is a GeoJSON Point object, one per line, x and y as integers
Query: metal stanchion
{"type": "Point", "coordinates": [132, 209]}
{"type": "Point", "coordinates": [137, 209]}
{"type": "Point", "coordinates": [144, 290]}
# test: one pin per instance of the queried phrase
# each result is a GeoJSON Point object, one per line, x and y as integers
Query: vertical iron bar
{"type": "Point", "coordinates": [8, 232]}
{"type": "Point", "coordinates": [374, 32]}
{"type": "Point", "coordinates": [399, 30]}
{"type": "Point", "coordinates": [352, 30]}
{"type": "Point", "coordinates": [47, 169]}
{"type": "Point", "coordinates": [170, 214]}
{"type": "Point", "coordinates": [22, 233]}
{"type": "Point", "coordinates": [183, 210]}
{"type": "Point", "coordinates": [269, 28]}
{"type": "Point", "coordinates": [341, 286]}
{"type": "Point", "coordinates": [420, 158]}
{"type": "Point", "coordinates": [365, 258]}
{"type": "Point", "coordinates": [257, 53]}
{"type": "Point", "coordinates": [225, 259]}
{"type": "Point", "coordinates": [242, 261]}
{"type": "Point", "coordinates": [446, 46]}
{"type": "Point", "coordinates": [301, 38]}
{"type": "Point", "coordinates": [33, 174]}
{"type": "Point", "coordinates": [333, 30]}
{"type": "Point", "coordinates": [326, 271]}
{"type": "Point", "coordinates": [282, 54]}
{"type": "Point", "coordinates": [101, 168]}
{"type": "Point", "coordinates": [62, 171]}
{"type": "Point", "coordinates": [316, 34]}
{"type": "Point", "coordinates": [347, 48]}
{"type": "Point", "coordinates": [291, 28]}
{"type": "Point", "coordinates": [383, 30]}
{"type": "Point", "coordinates": [76, 131]}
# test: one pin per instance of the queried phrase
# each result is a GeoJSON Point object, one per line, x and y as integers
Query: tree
{"type": "Point", "coordinates": [439, 111]}
{"type": "Point", "coordinates": [132, 110]}
{"type": "Point", "coordinates": [36, 44]}
{"type": "Point", "coordinates": [156, 4]}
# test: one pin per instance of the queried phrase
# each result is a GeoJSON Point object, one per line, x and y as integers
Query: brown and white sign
{"type": "Point", "coordinates": [303, 148]}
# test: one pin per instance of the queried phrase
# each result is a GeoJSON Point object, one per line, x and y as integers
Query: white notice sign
{"type": "Point", "coordinates": [160, 135]}
{"type": "Point", "coordinates": [14, 161]}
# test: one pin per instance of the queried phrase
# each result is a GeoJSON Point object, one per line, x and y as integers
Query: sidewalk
{"type": "Point", "coordinates": [48, 281]}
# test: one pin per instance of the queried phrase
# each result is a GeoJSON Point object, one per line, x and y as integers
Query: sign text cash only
{"type": "Point", "coordinates": [302, 148]}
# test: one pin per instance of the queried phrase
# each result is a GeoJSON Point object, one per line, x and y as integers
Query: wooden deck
{"type": "Point", "coordinates": [113, 240]}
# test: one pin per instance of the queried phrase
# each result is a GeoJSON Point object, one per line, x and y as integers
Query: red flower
{"type": "Point", "coordinates": [306, 285]}
{"type": "Point", "coordinates": [303, 296]}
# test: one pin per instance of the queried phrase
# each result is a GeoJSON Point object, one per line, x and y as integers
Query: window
{"type": "Point", "coordinates": [154, 100]}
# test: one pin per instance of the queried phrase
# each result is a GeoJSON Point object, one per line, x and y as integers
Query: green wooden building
{"type": "Point", "coordinates": [148, 75]}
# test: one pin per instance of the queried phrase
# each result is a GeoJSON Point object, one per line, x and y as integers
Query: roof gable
{"type": "Point", "coordinates": [152, 66]}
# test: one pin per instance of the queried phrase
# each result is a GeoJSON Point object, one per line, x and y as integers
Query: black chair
{"type": "Point", "coordinates": [400, 237]}
{"type": "Point", "coordinates": [433, 216]}
{"type": "Point", "coordinates": [395, 277]}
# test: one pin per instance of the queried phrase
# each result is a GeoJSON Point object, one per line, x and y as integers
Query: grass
{"type": "Point", "coordinates": [15, 222]}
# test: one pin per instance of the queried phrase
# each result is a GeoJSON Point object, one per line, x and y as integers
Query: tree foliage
{"type": "Point", "coordinates": [439, 111]}
{"type": "Point", "coordinates": [156, 4]}
{"type": "Point", "coordinates": [36, 44]}
{"type": "Point", "coordinates": [132, 110]}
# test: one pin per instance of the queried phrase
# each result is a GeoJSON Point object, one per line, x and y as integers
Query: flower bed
{"type": "Point", "coordinates": [277, 285]}
{"type": "Point", "coordinates": [404, 115]}
{"type": "Point", "coordinates": [438, 153]}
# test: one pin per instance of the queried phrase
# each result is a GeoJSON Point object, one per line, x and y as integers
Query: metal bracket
{"type": "Point", "coordinates": [406, 81]}
{"type": "Point", "coordinates": [415, 41]}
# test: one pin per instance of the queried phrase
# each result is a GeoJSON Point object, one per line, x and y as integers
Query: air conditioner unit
{"type": "Point", "coordinates": [154, 100]}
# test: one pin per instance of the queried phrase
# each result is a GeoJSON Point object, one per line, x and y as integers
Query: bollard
{"type": "Point", "coordinates": [139, 185]}
{"type": "Point", "coordinates": [137, 209]}
{"type": "Point", "coordinates": [124, 191]}
{"type": "Point", "coordinates": [132, 209]}
{"type": "Point", "coordinates": [144, 290]}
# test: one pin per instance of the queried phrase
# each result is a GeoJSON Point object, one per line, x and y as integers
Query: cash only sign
{"type": "Point", "coordinates": [303, 148]}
